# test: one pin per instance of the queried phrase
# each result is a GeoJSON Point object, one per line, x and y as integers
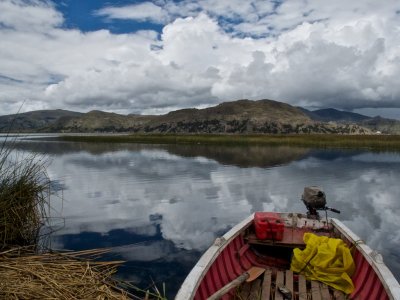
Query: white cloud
{"type": "Point", "coordinates": [297, 52]}
{"type": "Point", "coordinates": [32, 15]}
{"type": "Point", "coordinates": [146, 11]}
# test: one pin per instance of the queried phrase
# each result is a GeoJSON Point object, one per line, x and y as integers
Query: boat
{"type": "Point", "coordinates": [247, 263]}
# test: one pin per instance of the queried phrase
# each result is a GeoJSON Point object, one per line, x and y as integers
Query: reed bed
{"type": "Point", "coordinates": [24, 198]}
{"type": "Point", "coordinates": [70, 275]}
{"type": "Point", "coordinates": [371, 142]}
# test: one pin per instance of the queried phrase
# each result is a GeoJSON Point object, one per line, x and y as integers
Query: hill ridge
{"type": "Point", "coordinates": [241, 116]}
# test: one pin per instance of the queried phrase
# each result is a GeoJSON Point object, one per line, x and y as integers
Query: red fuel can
{"type": "Point", "coordinates": [268, 225]}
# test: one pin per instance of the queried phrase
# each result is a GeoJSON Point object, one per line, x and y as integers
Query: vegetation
{"type": "Point", "coordinates": [71, 275]}
{"type": "Point", "coordinates": [24, 195]}
{"type": "Point", "coordinates": [372, 142]}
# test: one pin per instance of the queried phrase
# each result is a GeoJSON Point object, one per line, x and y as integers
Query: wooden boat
{"type": "Point", "coordinates": [229, 259]}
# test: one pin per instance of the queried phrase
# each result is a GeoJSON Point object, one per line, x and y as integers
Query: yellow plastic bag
{"type": "Point", "coordinates": [325, 259]}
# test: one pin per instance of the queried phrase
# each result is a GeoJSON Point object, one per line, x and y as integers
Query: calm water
{"type": "Point", "coordinates": [160, 207]}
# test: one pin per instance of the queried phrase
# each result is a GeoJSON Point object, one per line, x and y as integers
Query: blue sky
{"type": "Point", "coordinates": [151, 57]}
{"type": "Point", "coordinates": [81, 14]}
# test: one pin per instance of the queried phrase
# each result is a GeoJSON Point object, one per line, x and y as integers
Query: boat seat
{"type": "Point", "coordinates": [264, 288]}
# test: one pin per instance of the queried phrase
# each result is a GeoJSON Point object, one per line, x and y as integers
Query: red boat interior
{"type": "Point", "coordinates": [247, 250]}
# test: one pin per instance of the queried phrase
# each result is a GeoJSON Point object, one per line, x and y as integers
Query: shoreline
{"type": "Point", "coordinates": [371, 142]}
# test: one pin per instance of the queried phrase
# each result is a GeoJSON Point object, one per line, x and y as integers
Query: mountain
{"type": "Point", "coordinates": [34, 120]}
{"type": "Point", "coordinates": [383, 125]}
{"type": "Point", "coordinates": [95, 121]}
{"type": "Point", "coordinates": [334, 115]}
{"type": "Point", "coordinates": [240, 117]}
{"type": "Point", "coordinates": [375, 124]}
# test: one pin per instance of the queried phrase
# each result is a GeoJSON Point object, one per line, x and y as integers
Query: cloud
{"type": "Point", "coordinates": [32, 15]}
{"type": "Point", "coordinates": [146, 11]}
{"type": "Point", "coordinates": [207, 52]}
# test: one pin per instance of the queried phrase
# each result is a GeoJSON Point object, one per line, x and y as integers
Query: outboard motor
{"type": "Point", "coordinates": [314, 199]}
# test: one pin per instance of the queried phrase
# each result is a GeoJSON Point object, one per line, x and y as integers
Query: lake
{"type": "Point", "coordinates": [160, 206]}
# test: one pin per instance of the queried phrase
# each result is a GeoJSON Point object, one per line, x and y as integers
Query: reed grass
{"type": "Point", "coordinates": [71, 275]}
{"type": "Point", "coordinates": [372, 142]}
{"type": "Point", "coordinates": [24, 196]}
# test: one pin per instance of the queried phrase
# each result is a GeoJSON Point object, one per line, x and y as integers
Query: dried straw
{"type": "Point", "coordinates": [71, 275]}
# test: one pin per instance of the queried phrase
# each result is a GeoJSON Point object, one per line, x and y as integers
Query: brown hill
{"type": "Point", "coordinates": [242, 109]}
{"type": "Point", "coordinates": [34, 120]}
{"type": "Point", "coordinates": [246, 116]}
{"type": "Point", "coordinates": [95, 121]}
{"type": "Point", "coordinates": [375, 124]}
{"type": "Point", "coordinates": [242, 116]}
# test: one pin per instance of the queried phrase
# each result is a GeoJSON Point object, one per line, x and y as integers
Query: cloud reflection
{"type": "Point", "coordinates": [193, 198]}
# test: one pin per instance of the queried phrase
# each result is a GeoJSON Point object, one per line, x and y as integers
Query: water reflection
{"type": "Point", "coordinates": [241, 156]}
{"type": "Point", "coordinates": [162, 206]}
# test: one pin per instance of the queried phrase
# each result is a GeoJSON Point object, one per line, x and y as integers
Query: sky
{"type": "Point", "coordinates": [151, 57]}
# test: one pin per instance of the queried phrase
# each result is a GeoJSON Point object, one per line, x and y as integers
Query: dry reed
{"type": "Point", "coordinates": [70, 275]}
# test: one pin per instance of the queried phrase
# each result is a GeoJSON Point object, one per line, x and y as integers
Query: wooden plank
{"type": "Point", "coordinates": [255, 290]}
{"type": "Point", "coordinates": [289, 281]}
{"type": "Point", "coordinates": [266, 286]}
{"type": "Point", "coordinates": [302, 288]}
{"type": "Point", "coordinates": [315, 291]}
{"type": "Point", "coordinates": [338, 295]}
{"type": "Point", "coordinates": [245, 291]}
{"type": "Point", "coordinates": [324, 291]}
{"type": "Point", "coordinates": [279, 281]}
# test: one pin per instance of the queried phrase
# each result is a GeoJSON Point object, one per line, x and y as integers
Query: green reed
{"type": "Point", "coordinates": [373, 142]}
{"type": "Point", "coordinates": [24, 195]}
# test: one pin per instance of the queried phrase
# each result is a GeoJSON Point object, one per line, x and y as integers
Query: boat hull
{"type": "Point", "coordinates": [233, 254]}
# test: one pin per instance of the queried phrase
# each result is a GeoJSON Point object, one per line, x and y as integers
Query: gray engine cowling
{"type": "Point", "coordinates": [314, 197]}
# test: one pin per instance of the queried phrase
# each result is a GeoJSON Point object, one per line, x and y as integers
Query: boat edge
{"type": "Point", "coordinates": [191, 283]}
{"type": "Point", "coordinates": [386, 277]}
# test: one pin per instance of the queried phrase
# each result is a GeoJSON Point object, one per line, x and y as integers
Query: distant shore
{"type": "Point", "coordinates": [373, 142]}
